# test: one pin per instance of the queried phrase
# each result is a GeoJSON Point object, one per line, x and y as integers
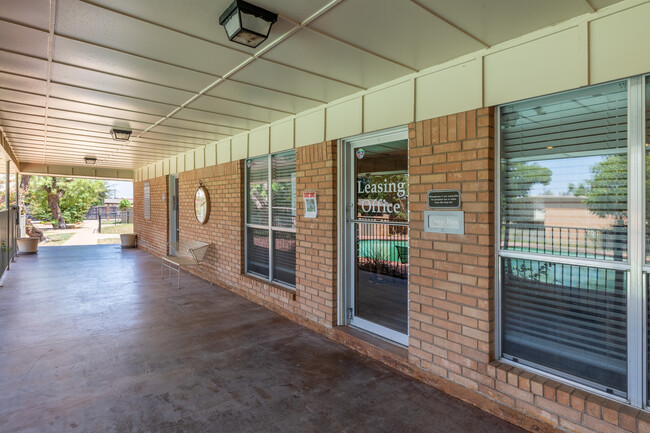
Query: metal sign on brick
{"type": "Point", "coordinates": [444, 198]}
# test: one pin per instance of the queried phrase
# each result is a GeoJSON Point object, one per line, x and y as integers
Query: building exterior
{"type": "Point", "coordinates": [533, 308]}
{"type": "Point", "coordinates": [479, 224]}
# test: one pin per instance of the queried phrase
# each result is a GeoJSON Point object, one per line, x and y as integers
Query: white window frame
{"type": "Point", "coordinates": [269, 227]}
{"type": "Point", "coordinates": [637, 269]}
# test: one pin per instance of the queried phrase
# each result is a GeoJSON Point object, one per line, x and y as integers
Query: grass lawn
{"type": "Point", "coordinates": [56, 239]}
{"type": "Point", "coordinates": [108, 240]}
{"type": "Point", "coordinates": [117, 229]}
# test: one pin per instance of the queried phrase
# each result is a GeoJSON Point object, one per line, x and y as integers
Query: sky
{"type": "Point", "coordinates": [122, 189]}
{"type": "Point", "coordinates": [565, 171]}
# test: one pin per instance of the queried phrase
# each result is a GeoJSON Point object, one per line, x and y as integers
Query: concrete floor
{"type": "Point", "coordinates": [92, 340]}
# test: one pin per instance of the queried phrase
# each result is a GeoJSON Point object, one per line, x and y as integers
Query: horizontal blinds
{"type": "Point", "coordinates": [258, 191]}
{"type": "Point", "coordinates": [564, 174]}
{"type": "Point", "coordinates": [283, 176]}
{"type": "Point", "coordinates": [284, 257]}
{"type": "Point", "coordinates": [591, 121]}
{"type": "Point", "coordinates": [257, 251]}
{"type": "Point", "coordinates": [568, 318]}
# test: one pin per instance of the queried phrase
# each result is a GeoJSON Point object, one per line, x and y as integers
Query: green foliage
{"type": "Point", "coordinates": [76, 197]}
{"type": "Point", "coordinates": [125, 204]}
{"type": "Point", "coordinates": [606, 191]}
{"type": "Point", "coordinates": [518, 179]}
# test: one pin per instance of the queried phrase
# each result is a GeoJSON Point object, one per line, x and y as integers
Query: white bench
{"type": "Point", "coordinates": [188, 253]}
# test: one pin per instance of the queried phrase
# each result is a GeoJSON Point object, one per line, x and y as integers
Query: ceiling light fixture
{"type": "Point", "coordinates": [120, 134]}
{"type": "Point", "coordinates": [90, 160]}
{"type": "Point", "coordinates": [247, 24]}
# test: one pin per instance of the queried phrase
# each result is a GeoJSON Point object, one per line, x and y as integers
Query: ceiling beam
{"type": "Point", "coordinates": [50, 53]}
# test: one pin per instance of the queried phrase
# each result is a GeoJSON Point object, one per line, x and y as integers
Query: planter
{"type": "Point", "coordinates": [27, 245]}
{"type": "Point", "coordinates": [128, 240]}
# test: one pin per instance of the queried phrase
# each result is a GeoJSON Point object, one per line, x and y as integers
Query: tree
{"type": "Point", "coordinates": [606, 192]}
{"type": "Point", "coordinates": [125, 204]}
{"type": "Point", "coordinates": [518, 179]}
{"type": "Point", "coordinates": [63, 200]}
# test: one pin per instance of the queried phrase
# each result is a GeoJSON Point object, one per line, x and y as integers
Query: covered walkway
{"type": "Point", "coordinates": [91, 339]}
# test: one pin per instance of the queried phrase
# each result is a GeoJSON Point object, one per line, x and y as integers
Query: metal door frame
{"type": "Point", "coordinates": [346, 238]}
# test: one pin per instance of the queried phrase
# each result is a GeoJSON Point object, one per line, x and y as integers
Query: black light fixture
{"type": "Point", "coordinates": [90, 160]}
{"type": "Point", "coordinates": [247, 24]}
{"type": "Point", "coordinates": [120, 134]}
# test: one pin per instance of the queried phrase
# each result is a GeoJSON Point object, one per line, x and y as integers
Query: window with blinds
{"type": "Point", "coordinates": [564, 183]}
{"type": "Point", "coordinates": [271, 217]}
{"type": "Point", "coordinates": [564, 174]}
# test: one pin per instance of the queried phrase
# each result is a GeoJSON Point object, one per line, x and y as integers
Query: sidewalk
{"type": "Point", "coordinates": [87, 234]}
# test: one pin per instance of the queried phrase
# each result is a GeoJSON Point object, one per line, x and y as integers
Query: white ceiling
{"type": "Point", "coordinates": [70, 70]}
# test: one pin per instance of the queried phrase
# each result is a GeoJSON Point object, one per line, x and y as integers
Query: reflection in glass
{"type": "Point", "coordinates": [564, 174]}
{"type": "Point", "coordinates": [381, 196]}
{"type": "Point", "coordinates": [568, 318]}
{"type": "Point", "coordinates": [257, 251]}
{"type": "Point", "coordinates": [258, 191]}
{"type": "Point", "coordinates": [284, 257]}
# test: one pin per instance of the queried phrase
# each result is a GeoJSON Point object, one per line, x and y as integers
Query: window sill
{"type": "Point", "coordinates": [279, 289]}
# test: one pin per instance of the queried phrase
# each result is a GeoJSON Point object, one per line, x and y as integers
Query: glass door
{"type": "Point", "coordinates": [377, 226]}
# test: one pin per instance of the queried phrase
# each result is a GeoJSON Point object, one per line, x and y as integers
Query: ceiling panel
{"type": "Point", "coordinates": [239, 124]}
{"type": "Point", "coordinates": [496, 22]}
{"type": "Point", "coordinates": [17, 107]}
{"type": "Point", "coordinates": [21, 117]}
{"type": "Point", "coordinates": [314, 52]}
{"type": "Point", "coordinates": [114, 62]}
{"type": "Point", "coordinates": [416, 38]}
{"type": "Point", "coordinates": [201, 17]}
{"type": "Point", "coordinates": [23, 39]}
{"type": "Point", "coordinates": [599, 4]}
{"type": "Point", "coordinates": [65, 74]}
{"type": "Point", "coordinates": [105, 99]}
{"type": "Point", "coordinates": [182, 133]}
{"type": "Point", "coordinates": [22, 97]}
{"type": "Point", "coordinates": [157, 135]}
{"type": "Point", "coordinates": [35, 13]}
{"type": "Point", "coordinates": [292, 81]}
{"type": "Point", "coordinates": [250, 94]}
{"type": "Point", "coordinates": [232, 108]}
{"type": "Point", "coordinates": [83, 21]}
{"type": "Point", "coordinates": [112, 113]}
{"type": "Point", "coordinates": [23, 65]}
{"type": "Point", "coordinates": [23, 84]}
{"type": "Point", "coordinates": [200, 126]}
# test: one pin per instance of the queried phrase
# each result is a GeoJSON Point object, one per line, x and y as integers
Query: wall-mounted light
{"type": "Point", "coordinates": [90, 160]}
{"type": "Point", "coordinates": [120, 134]}
{"type": "Point", "coordinates": [247, 24]}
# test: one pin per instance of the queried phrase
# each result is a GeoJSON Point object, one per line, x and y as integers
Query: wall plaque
{"type": "Point", "coordinates": [450, 222]}
{"type": "Point", "coordinates": [444, 198]}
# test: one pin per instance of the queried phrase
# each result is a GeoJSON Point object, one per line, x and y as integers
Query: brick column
{"type": "Point", "coordinates": [452, 276]}
{"type": "Point", "coordinates": [316, 238]}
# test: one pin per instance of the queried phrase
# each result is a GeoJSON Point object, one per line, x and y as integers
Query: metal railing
{"type": "Point", "coordinates": [589, 243]}
{"type": "Point", "coordinates": [383, 248]}
{"type": "Point", "coordinates": [9, 232]}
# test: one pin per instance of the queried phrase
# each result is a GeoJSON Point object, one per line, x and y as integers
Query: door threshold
{"type": "Point", "coordinates": [376, 340]}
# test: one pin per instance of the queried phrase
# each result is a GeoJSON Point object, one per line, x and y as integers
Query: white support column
{"type": "Point", "coordinates": [8, 241]}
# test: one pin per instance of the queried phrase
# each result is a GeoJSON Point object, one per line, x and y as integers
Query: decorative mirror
{"type": "Point", "coordinates": [202, 204]}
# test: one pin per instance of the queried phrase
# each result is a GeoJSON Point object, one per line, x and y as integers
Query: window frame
{"type": "Point", "coordinates": [636, 267]}
{"type": "Point", "coordinates": [269, 226]}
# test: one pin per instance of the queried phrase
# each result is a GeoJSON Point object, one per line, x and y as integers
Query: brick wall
{"type": "Point", "coordinates": [316, 238]}
{"type": "Point", "coordinates": [153, 233]}
{"type": "Point", "coordinates": [451, 317]}
{"type": "Point", "coordinates": [451, 284]}
{"type": "Point", "coordinates": [314, 300]}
